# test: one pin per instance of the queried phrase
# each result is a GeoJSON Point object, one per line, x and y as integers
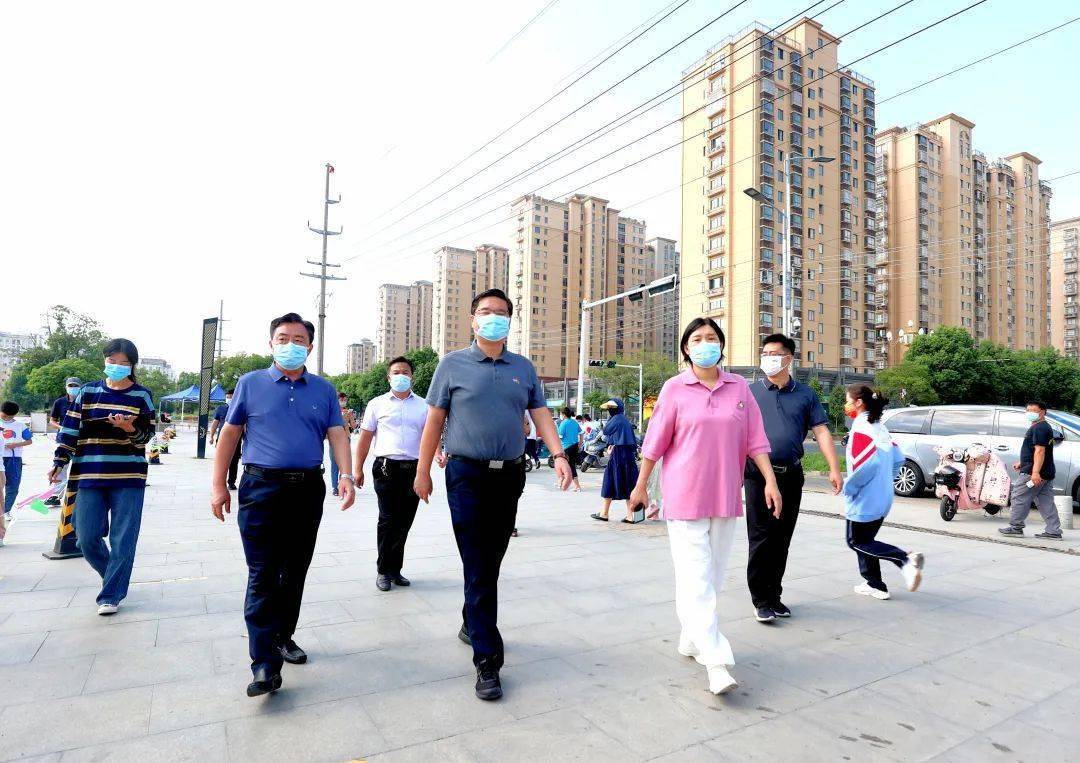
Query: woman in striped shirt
{"type": "Point", "coordinates": [104, 435]}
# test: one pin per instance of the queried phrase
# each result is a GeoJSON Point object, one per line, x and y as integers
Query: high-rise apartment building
{"type": "Point", "coordinates": [567, 252]}
{"type": "Point", "coordinates": [404, 318]}
{"type": "Point", "coordinates": [951, 251]}
{"type": "Point", "coordinates": [460, 274]}
{"type": "Point", "coordinates": [1064, 303]}
{"type": "Point", "coordinates": [12, 347]}
{"type": "Point", "coordinates": [763, 111]}
{"type": "Point", "coordinates": [663, 260]}
{"type": "Point", "coordinates": [360, 356]}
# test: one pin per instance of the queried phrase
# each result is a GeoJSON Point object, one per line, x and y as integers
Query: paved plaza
{"type": "Point", "coordinates": [982, 664]}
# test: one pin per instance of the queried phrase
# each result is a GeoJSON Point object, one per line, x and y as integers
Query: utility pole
{"type": "Point", "coordinates": [323, 265]}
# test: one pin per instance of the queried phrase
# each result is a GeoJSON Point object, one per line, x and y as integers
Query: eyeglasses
{"type": "Point", "coordinates": [780, 354]}
{"type": "Point", "coordinates": [488, 311]}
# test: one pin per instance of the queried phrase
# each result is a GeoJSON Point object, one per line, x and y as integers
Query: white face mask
{"type": "Point", "coordinates": [772, 364]}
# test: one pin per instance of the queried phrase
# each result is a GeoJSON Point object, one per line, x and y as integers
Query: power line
{"type": "Point", "coordinates": [521, 31]}
{"type": "Point", "coordinates": [525, 116]}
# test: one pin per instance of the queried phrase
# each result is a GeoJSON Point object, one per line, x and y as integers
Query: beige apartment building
{"type": "Point", "coordinates": [1064, 249]}
{"type": "Point", "coordinates": [959, 244]}
{"type": "Point", "coordinates": [567, 252]}
{"type": "Point", "coordinates": [404, 318]}
{"type": "Point", "coordinates": [460, 274]}
{"type": "Point", "coordinates": [663, 258]}
{"type": "Point", "coordinates": [360, 356]}
{"type": "Point", "coordinates": [755, 105]}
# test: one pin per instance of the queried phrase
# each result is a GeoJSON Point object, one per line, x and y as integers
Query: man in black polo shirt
{"type": "Point", "coordinates": [789, 410]}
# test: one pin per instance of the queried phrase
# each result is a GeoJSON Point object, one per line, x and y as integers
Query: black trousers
{"type": "Point", "coordinates": [397, 510]}
{"type": "Point", "coordinates": [483, 509]}
{"type": "Point", "coordinates": [234, 464]}
{"type": "Point", "coordinates": [862, 539]}
{"type": "Point", "coordinates": [770, 537]}
{"type": "Point", "coordinates": [279, 522]}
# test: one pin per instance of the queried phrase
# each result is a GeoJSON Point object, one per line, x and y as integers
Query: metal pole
{"type": "Point", "coordinates": [322, 280]}
{"type": "Point", "coordinates": [787, 248]}
{"type": "Point", "coordinates": [585, 319]}
{"type": "Point", "coordinates": [640, 398]}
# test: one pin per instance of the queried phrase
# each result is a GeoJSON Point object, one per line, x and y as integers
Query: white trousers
{"type": "Point", "coordinates": [699, 552]}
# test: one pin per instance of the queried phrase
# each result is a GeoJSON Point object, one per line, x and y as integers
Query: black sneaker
{"type": "Point", "coordinates": [780, 609]}
{"type": "Point", "coordinates": [765, 615]}
{"type": "Point", "coordinates": [1011, 531]}
{"type": "Point", "coordinates": [488, 686]}
{"type": "Point", "coordinates": [54, 501]}
{"type": "Point", "coordinates": [1048, 536]}
{"type": "Point", "coordinates": [463, 636]}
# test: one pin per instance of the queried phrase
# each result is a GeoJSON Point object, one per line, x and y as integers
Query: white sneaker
{"type": "Point", "coordinates": [868, 590]}
{"type": "Point", "coordinates": [913, 570]}
{"type": "Point", "coordinates": [721, 681]}
{"type": "Point", "coordinates": [687, 648]}
{"type": "Point", "coordinates": [108, 609]}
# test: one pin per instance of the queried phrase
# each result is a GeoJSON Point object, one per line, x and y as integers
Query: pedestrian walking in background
{"type": "Point", "coordinates": [14, 435]}
{"type": "Point", "coordinates": [1036, 482]}
{"type": "Point", "coordinates": [349, 417]}
{"type": "Point", "coordinates": [570, 437]}
{"type": "Point", "coordinates": [704, 427]}
{"type": "Point", "coordinates": [285, 414]}
{"type": "Point", "coordinates": [872, 461]}
{"type": "Point", "coordinates": [215, 434]}
{"type": "Point", "coordinates": [789, 410]}
{"type": "Point", "coordinates": [103, 436]}
{"type": "Point", "coordinates": [393, 423]}
{"type": "Point", "coordinates": [481, 394]}
{"type": "Point", "coordinates": [56, 417]}
{"type": "Point", "coordinates": [621, 472]}
{"type": "Point", "coordinates": [532, 446]}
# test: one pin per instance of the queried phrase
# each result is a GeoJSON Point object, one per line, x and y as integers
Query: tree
{"type": "Point", "coordinates": [815, 384]}
{"type": "Point", "coordinates": [907, 384]}
{"type": "Point", "coordinates": [157, 382]}
{"type": "Point", "coordinates": [187, 379]}
{"type": "Point", "coordinates": [623, 382]}
{"type": "Point", "coordinates": [951, 360]}
{"type": "Point", "coordinates": [229, 368]}
{"type": "Point", "coordinates": [48, 380]}
{"type": "Point", "coordinates": [837, 398]}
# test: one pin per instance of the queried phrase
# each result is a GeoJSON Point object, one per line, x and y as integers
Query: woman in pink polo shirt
{"type": "Point", "coordinates": [704, 427]}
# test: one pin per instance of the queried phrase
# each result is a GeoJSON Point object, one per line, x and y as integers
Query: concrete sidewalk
{"type": "Point", "coordinates": [981, 664]}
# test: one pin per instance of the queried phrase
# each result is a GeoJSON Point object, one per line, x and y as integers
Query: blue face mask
{"type": "Point", "coordinates": [117, 372]}
{"type": "Point", "coordinates": [290, 356]}
{"type": "Point", "coordinates": [493, 328]}
{"type": "Point", "coordinates": [400, 383]}
{"type": "Point", "coordinates": [706, 354]}
{"type": "Point", "coordinates": [1032, 416]}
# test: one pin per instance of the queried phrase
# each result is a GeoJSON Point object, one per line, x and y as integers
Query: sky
{"type": "Point", "coordinates": [157, 158]}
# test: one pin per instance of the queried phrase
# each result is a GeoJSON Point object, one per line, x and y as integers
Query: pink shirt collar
{"type": "Point", "coordinates": [689, 378]}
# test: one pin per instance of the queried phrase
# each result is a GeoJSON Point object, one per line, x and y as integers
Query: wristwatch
{"type": "Point", "coordinates": [348, 477]}
{"type": "Point", "coordinates": [561, 455]}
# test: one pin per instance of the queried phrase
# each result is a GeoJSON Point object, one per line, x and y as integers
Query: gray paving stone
{"type": "Point", "coordinates": [95, 639]}
{"type": "Point", "coordinates": [145, 667]}
{"type": "Point", "coordinates": [43, 680]}
{"type": "Point", "coordinates": [201, 744]}
{"type": "Point", "coordinates": [20, 648]}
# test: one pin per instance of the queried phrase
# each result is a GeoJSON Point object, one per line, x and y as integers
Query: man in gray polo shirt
{"type": "Point", "coordinates": [481, 394]}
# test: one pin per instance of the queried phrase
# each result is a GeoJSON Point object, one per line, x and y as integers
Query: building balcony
{"type": "Point", "coordinates": [768, 88]}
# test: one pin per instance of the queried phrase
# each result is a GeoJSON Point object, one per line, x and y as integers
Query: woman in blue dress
{"type": "Point", "coordinates": [621, 472]}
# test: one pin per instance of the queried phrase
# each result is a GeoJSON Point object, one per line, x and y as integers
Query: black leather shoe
{"type": "Point", "coordinates": [400, 579]}
{"type": "Point", "coordinates": [291, 653]}
{"type": "Point", "coordinates": [488, 686]}
{"type": "Point", "coordinates": [264, 682]}
{"type": "Point", "coordinates": [463, 636]}
{"type": "Point", "coordinates": [383, 582]}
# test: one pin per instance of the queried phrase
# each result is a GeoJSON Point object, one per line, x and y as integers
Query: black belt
{"type": "Point", "coordinates": [386, 466]}
{"type": "Point", "coordinates": [778, 469]}
{"type": "Point", "coordinates": [490, 464]}
{"type": "Point", "coordinates": [284, 475]}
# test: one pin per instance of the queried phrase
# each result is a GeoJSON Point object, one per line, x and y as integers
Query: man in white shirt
{"type": "Point", "coordinates": [393, 423]}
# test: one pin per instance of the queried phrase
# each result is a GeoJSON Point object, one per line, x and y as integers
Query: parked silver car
{"type": "Point", "coordinates": [920, 429]}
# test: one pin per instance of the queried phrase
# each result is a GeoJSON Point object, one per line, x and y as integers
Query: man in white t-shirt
{"type": "Point", "coordinates": [392, 426]}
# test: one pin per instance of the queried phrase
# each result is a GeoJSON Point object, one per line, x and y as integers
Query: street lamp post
{"type": "Point", "coordinates": [785, 250]}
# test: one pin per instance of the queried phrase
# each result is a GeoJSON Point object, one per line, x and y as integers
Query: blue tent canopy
{"type": "Point", "coordinates": [191, 395]}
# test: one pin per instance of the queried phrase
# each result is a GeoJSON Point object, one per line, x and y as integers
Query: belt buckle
{"type": "Point", "coordinates": [495, 464]}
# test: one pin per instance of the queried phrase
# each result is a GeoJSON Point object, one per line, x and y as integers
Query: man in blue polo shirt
{"type": "Point", "coordinates": [285, 414]}
{"type": "Point", "coordinates": [789, 410]}
{"type": "Point", "coordinates": [481, 394]}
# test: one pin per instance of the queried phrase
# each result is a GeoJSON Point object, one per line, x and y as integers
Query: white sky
{"type": "Point", "coordinates": [138, 136]}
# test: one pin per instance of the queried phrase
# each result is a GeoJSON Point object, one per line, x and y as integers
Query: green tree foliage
{"type": "Point", "coordinates": [187, 379]}
{"type": "Point", "coordinates": [907, 384]}
{"type": "Point", "coordinates": [815, 384]}
{"type": "Point", "coordinates": [837, 397]}
{"type": "Point", "coordinates": [360, 389]}
{"type": "Point", "coordinates": [623, 382]}
{"type": "Point", "coordinates": [157, 382]}
{"type": "Point", "coordinates": [69, 335]}
{"type": "Point", "coordinates": [48, 380]}
{"type": "Point", "coordinates": [229, 368]}
{"type": "Point", "coordinates": [951, 359]}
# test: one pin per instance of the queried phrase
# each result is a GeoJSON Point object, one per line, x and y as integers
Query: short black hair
{"type": "Point", "coordinates": [293, 318]}
{"type": "Point", "coordinates": [402, 359]}
{"type": "Point", "coordinates": [9, 408]}
{"type": "Point", "coordinates": [492, 293]}
{"type": "Point", "coordinates": [784, 339]}
{"type": "Point", "coordinates": [568, 412]}
{"type": "Point", "coordinates": [1038, 404]}
{"type": "Point", "coordinates": [342, 393]}
{"type": "Point", "coordinates": [693, 326]}
{"type": "Point", "coordinates": [230, 390]}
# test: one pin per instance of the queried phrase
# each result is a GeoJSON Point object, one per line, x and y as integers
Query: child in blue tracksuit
{"type": "Point", "coordinates": [872, 462]}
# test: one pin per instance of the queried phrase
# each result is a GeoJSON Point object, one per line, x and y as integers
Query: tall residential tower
{"type": "Point", "coordinates": [460, 274]}
{"type": "Point", "coordinates": [404, 318]}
